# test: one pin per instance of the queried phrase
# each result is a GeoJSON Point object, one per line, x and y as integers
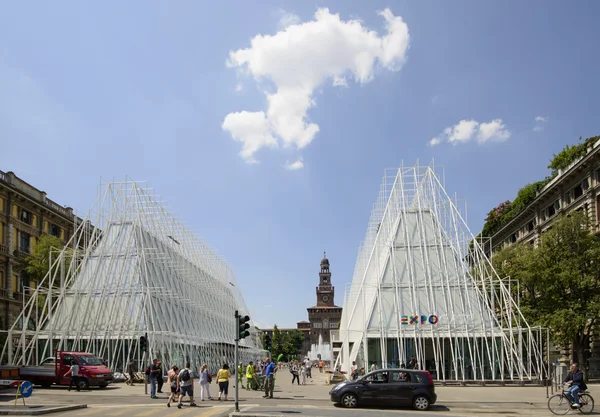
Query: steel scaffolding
{"type": "Point", "coordinates": [425, 294]}
{"type": "Point", "coordinates": [137, 271]}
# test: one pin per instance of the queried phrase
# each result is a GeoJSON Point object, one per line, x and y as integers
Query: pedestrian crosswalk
{"type": "Point", "coordinates": [153, 410]}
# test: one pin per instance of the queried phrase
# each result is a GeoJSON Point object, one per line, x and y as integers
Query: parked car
{"type": "Point", "coordinates": [92, 370]}
{"type": "Point", "coordinates": [391, 387]}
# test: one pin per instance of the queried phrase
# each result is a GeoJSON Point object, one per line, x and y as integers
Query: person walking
{"type": "Point", "coordinates": [173, 384]}
{"type": "Point", "coordinates": [159, 377]}
{"type": "Point", "coordinates": [153, 378]}
{"type": "Point", "coordinates": [250, 381]}
{"type": "Point", "coordinates": [354, 371]}
{"type": "Point", "coordinates": [303, 373]}
{"type": "Point", "coordinates": [294, 371]}
{"type": "Point", "coordinates": [131, 370]}
{"type": "Point", "coordinates": [270, 371]}
{"type": "Point", "coordinates": [186, 385]}
{"type": "Point", "coordinates": [321, 367]}
{"type": "Point", "coordinates": [74, 373]}
{"type": "Point", "coordinates": [205, 380]}
{"type": "Point", "coordinates": [240, 375]}
{"type": "Point", "coordinates": [223, 381]}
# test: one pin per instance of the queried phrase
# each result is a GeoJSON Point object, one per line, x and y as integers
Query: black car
{"type": "Point", "coordinates": [391, 387]}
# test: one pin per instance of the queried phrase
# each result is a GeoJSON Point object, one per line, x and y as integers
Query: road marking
{"type": "Point", "coordinates": [89, 411]}
{"type": "Point", "coordinates": [146, 413]}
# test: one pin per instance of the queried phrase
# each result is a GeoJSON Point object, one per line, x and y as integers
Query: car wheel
{"type": "Point", "coordinates": [421, 403]}
{"type": "Point", "coordinates": [83, 384]}
{"type": "Point", "coordinates": [349, 401]}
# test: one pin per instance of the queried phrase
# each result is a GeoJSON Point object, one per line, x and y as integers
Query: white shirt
{"type": "Point", "coordinates": [74, 370]}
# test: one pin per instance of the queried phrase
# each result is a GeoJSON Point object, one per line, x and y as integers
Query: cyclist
{"type": "Point", "coordinates": [575, 381]}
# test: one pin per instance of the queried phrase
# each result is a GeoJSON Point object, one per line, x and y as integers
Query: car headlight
{"type": "Point", "coordinates": [338, 386]}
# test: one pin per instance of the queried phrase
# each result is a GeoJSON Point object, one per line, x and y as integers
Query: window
{"type": "Point", "coordinates": [378, 378]}
{"type": "Point", "coordinates": [530, 226]}
{"type": "Point", "coordinates": [67, 359]}
{"type": "Point", "coordinates": [513, 238]}
{"type": "Point", "coordinates": [568, 197]}
{"type": "Point", "coordinates": [24, 242]}
{"type": "Point", "coordinates": [577, 191]}
{"type": "Point", "coordinates": [585, 184]}
{"type": "Point", "coordinates": [318, 325]}
{"type": "Point", "coordinates": [333, 325]}
{"type": "Point", "coordinates": [26, 216]}
{"type": "Point", "coordinates": [551, 211]}
{"type": "Point", "coordinates": [401, 377]}
{"type": "Point", "coordinates": [54, 230]}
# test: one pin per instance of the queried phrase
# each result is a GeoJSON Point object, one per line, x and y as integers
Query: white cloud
{"type": "Point", "coordinates": [302, 57]}
{"type": "Point", "coordinates": [463, 131]}
{"type": "Point", "coordinates": [494, 130]}
{"type": "Point", "coordinates": [435, 141]}
{"type": "Point", "coordinates": [299, 164]}
{"type": "Point", "coordinates": [239, 87]}
{"type": "Point", "coordinates": [287, 19]}
{"type": "Point", "coordinates": [539, 121]}
{"type": "Point", "coordinates": [467, 130]}
{"type": "Point", "coordinates": [250, 128]}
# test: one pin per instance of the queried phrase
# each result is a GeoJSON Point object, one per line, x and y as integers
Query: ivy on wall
{"type": "Point", "coordinates": [507, 210]}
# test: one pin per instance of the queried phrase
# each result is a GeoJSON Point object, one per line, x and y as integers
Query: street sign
{"type": "Point", "coordinates": [26, 389]}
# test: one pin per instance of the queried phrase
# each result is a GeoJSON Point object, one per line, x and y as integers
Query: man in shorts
{"type": "Point", "coordinates": [186, 385]}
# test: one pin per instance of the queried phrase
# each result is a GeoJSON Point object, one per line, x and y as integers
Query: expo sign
{"type": "Point", "coordinates": [419, 319]}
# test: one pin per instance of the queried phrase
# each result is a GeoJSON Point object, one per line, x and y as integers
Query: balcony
{"type": "Point", "coordinates": [21, 254]}
{"type": "Point", "coordinates": [13, 296]}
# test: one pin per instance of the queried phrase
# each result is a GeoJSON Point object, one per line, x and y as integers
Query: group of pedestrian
{"type": "Point", "coordinates": [181, 382]}
{"type": "Point", "coordinates": [300, 371]}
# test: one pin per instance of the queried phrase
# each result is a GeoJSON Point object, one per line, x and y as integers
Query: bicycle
{"type": "Point", "coordinates": [561, 404]}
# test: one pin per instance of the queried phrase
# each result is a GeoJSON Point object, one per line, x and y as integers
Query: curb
{"type": "Point", "coordinates": [42, 410]}
{"type": "Point", "coordinates": [251, 414]}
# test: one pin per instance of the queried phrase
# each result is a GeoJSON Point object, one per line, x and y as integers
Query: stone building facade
{"type": "Point", "coordinates": [576, 188]}
{"type": "Point", "coordinates": [25, 214]}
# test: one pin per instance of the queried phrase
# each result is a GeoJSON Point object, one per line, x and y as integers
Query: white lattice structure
{"type": "Point", "coordinates": [421, 289]}
{"type": "Point", "coordinates": [138, 271]}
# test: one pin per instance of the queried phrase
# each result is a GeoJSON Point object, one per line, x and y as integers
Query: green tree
{"type": "Point", "coordinates": [559, 280]}
{"type": "Point", "coordinates": [38, 264]}
{"type": "Point", "coordinates": [277, 342]}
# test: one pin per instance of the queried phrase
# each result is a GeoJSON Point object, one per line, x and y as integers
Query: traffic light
{"type": "Point", "coordinates": [268, 342]}
{"type": "Point", "coordinates": [243, 327]}
{"type": "Point", "coordinates": [143, 343]}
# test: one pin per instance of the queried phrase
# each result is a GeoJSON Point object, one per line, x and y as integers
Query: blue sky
{"type": "Point", "coordinates": [143, 89]}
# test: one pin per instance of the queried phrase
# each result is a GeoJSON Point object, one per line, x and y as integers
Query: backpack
{"type": "Point", "coordinates": [148, 371]}
{"type": "Point", "coordinates": [208, 377]}
{"type": "Point", "coordinates": [185, 375]}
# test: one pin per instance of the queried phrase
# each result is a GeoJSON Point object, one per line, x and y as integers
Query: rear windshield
{"type": "Point", "coordinates": [91, 360]}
